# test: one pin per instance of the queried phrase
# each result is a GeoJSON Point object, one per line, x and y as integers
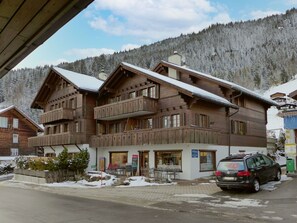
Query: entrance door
{"type": "Point", "coordinates": [143, 163]}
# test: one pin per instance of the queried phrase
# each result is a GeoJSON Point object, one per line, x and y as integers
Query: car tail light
{"type": "Point", "coordinates": [243, 173]}
{"type": "Point", "coordinates": [218, 173]}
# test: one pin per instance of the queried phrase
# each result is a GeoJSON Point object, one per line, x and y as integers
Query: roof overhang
{"type": "Point", "coordinates": [26, 24]}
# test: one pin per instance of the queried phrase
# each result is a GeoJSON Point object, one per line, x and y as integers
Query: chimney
{"type": "Point", "coordinates": [175, 59]}
{"type": "Point", "coordinates": [102, 75]}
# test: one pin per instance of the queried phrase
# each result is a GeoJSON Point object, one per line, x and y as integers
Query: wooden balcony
{"type": "Point", "coordinates": [56, 115]}
{"type": "Point", "coordinates": [129, 108]}
{"type": "Point", "coordinates": [65, 138]}
{"type": "Point", "coordinates": [157, 136]}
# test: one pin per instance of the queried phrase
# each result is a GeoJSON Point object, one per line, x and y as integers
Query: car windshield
{"type": "Point", "coordinates": [231, 165]}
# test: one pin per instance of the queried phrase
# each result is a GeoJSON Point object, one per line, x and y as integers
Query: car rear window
{"type": "Point", "coordinates": [231, 165]}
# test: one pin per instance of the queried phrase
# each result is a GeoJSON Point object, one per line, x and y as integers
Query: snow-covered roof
{"type": "Point", "coordinates": [23, 114]}
{"type": "Point", "coordinates": [194, 90]}
{"type": "Point", "coordinates": [228, 83]}
{"type": "Point", "coordinates": [81, 81]}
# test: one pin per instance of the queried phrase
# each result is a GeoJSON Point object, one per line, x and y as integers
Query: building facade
{"type": "Point", "coordinates": [68, 100]}
{"type": "Point", "coordinates": [15, 129]}
{"type": "Point", "coordinates": [175, 118]}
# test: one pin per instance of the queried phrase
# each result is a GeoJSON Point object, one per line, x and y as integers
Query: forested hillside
{"type": "Point", "coordinates": [256, 54]}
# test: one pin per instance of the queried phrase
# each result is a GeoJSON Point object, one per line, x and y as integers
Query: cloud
{"type": "Point", "coordinates": [291, 2]}
{"type": "Point", "coordinates": [88, 52]}
{"type": "Point", "coordinates": [261, 14]}
{"type": "Point", "coordinates": [155, 19]}
{"type": "Point", "coordinates": [129, 46]}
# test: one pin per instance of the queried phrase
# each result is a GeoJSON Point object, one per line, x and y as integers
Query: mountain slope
{"type": "Point", "coordinates": [255, 54]}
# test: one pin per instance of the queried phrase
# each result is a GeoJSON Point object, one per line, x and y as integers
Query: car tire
{"type": "Point", "coordinates": [256, 185]}
{"type": "Point", "coordinates": [278, 175]}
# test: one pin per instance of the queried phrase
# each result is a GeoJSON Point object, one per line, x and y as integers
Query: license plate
{"type": "Point", "coordinates": [229, 178]}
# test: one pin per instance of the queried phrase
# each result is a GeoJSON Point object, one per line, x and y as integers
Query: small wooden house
{"type": "Point", "coordinates": [15, 129]}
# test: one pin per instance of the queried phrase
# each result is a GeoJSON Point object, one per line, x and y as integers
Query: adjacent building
{"type": "Point", "coordinates": [68, 100]}
{"type": "Point", "coordinates": [15, 129]}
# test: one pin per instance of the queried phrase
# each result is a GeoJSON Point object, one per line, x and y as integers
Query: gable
{"type": "Point", "coordinates": [12, 112]}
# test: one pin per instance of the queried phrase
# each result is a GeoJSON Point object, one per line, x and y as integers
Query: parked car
{"type": "Point", "coordinates": [246, 171]}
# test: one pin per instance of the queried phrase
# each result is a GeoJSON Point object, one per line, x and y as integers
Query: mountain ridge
{"type": "Point", "coordinates": [256, 54]}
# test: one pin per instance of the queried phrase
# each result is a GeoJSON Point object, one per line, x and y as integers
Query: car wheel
{"type": "Point", "coordinates": [278, 175]}
{"type": "Point", "coordinates": [256, 185]}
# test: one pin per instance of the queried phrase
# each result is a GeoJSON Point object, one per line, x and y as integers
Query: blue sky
{"type": "Point", "coordinates": [109, 26]}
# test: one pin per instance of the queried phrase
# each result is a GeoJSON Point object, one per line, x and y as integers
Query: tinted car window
{"type": "Point", "coordinates": [260, 161]}
{"type": "Point", "coordinates": [268, 160]}
{"type": "Point", "coordinates": [251, 164]}
{"type": "Point", "coordinates": [231, 165]}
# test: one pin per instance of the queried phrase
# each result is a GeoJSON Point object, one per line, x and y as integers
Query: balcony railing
{"type": "Point", "coordinates": [128, 108]}
{"type": "Point", "coordinates": [65, 138]}
{"type": "Point", "coordinates": [56, 115]}
{"type": "Point", "coordinates": [157, 136]}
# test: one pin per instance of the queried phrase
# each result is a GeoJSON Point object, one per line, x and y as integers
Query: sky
{"type": "Point", "coordinates": [108, 26]}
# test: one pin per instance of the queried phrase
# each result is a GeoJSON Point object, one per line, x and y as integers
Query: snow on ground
{"type": "Point", "coordinates": [6, 176]}
{"type": "Point", "coordinates": [270, 186]}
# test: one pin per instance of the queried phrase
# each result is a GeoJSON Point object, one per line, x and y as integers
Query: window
{"type": "Point", "coordinates": [238, 127]}
{"type": "Point", "coordinates": [15, 123]}
{"type": "Point", "coordinates": [118, 158]}
{"type": "Point", "coordinates": [166, 121]}
{"type": "Point", "coordinates": [3, 122]}
{"type": "Point", "coordinates": [176, 120]}
{"type": "Point", "coordinates": [132, 94]}
{"type": "Point", "coordinates": [173, 157]}
{"type": "Point", "coordinates": [152, 92]}
{"type": "Point", "coordinates": [207, 160]}
{"type": "Point", "coordinates": [144, 92]}
{"type": "Point", "coordinates": [149, 123]}
{"type": "Point", "coordinates": [77, 127]}
{"type": "Point", "coordinates": [116, 127]}
{"type": "Point", "coordinates": [66, 127]}
{"type": "Point", "coordinates": [14, 152]}
{"type": "Point", "coordinates": [202, 121]}
{"type": "Point", "coordinates": [15, 138]}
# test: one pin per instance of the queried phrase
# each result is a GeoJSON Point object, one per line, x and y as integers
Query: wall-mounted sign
{"type": "Point", "coordinates": [194, 153]}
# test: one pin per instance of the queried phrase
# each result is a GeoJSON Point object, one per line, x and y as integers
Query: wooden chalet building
{"type": "Point", "coordinates": [15, 129]}
{"type": "Point", "coordinates": [68, 100]}
{"type": "Point", "coordinates": [175, 118]}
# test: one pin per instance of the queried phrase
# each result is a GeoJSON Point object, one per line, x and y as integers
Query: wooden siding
{"type": "Point", "coordinates": [56, 115]}
{"type": "Point", "coordinates": [65, 138]}
{"type": "Point", "coordinates": [24, 131]}
{"type": "Point", "coordinates": [157, 136]}
{"type": "Point", "coordinates": [127, 108]}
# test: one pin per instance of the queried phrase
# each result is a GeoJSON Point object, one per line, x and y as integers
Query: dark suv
{"type": "Point", "coordinates": [246, 171]}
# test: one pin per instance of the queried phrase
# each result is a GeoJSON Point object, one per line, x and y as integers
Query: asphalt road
{"type": "Point", "coordinates": [19, 205]}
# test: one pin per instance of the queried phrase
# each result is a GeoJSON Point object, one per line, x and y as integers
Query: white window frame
{"type": "Point", "coordinates": [15, 138]}
{"type": "Point", "coordinates": [3, 122]}
{"type": "Point", "coordinates": [15, 123]}
{"type": "Point", "coordinates": [14, 151]}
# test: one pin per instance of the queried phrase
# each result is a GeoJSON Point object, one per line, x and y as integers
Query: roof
{"type": "Point", "coordinates": [12, 107]}
{"type": "Point", "coordinates": [224, 82]}
{"type": "Point", "coordinates": [195, 91]}
{"type": "Point", "coordinates": [80, 81]}
{"type": "Point", "coordinates": [25, 25]}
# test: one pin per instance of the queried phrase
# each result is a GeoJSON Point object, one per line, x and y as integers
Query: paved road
{"type": "Point", "coordinates": [18, 205]}
{"type": "Point", "coordinates": [193, 202]}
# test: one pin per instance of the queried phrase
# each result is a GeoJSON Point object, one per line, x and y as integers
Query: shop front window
{"type": "Point", "coordinates": [207, 160]}
{"type": "Point", "coordinates": [118, 158]}
{"type": "Point", "coordinates": [167, 159]}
